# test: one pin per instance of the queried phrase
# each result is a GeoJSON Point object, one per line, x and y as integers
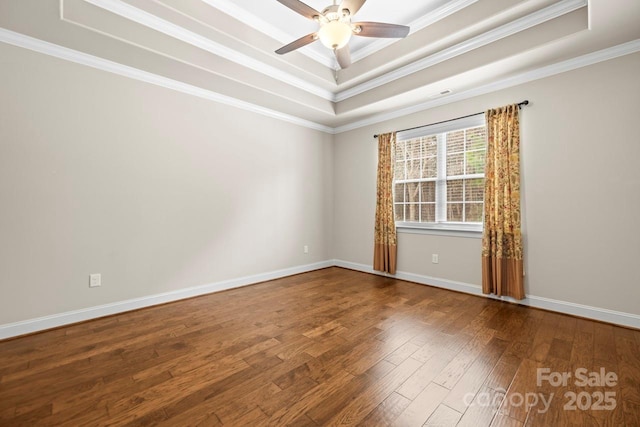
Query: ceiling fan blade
{"type": "Point", "coordinates": [302, 41]}
{"type": "Point", "coordinates": [353, 5]}
{"type": "Point", "coordinates": [343, 56]}
{"type": "Point", "coordinates": [301, 8]}
{"type": "Point", "coordinates": [379, 29]}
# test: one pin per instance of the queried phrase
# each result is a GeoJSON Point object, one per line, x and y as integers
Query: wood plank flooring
{"type": "Point", "coordinates": [330, 347]}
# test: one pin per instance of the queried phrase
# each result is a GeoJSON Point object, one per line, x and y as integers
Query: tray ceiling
{"type": "Point", "coordinates": [224, 50]}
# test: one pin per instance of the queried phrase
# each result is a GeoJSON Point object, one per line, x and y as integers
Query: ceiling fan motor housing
{"type": "Point", "coordinates": [333, 13]}
{"type": "Point", "coordinates": [336, 29]}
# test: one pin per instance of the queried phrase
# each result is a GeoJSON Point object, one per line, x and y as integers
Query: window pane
{"type": "Point", "coordinates": [454, 190]}
{"type": "Point", "coordinates": [428, 212]}
{"type": "Point", "coordinates": [476, 138]}
{"type": "Point", "coordinates": [413, 148]}
{"type": "Point", "coordinates": [413, 194]}
{"type": "Point", "coordinates": [454, 212]}
{"type": "Point", "coordinates": [430, 146]}
{"type": "Point", "coordinates": [413, 169]}
{"type": "Point", "coordinates": [430, 167]}
{"type": "Point", "coordinates": [399, 154]}
{"type": "Point", "coordinates": [446, 187]}
{"type": "Point", "coordinates": [455, 164]}
{"type": "Point", "coordinates": [399, 193]}
{"type": "Point", "coordinates": [428, 191]}
{"type": "Point", "coordinates": [455, 141]}
{"type": "Point", "coordinates": [399, 211]}
{"type": "Point", "coordinates": [473, 212]}
{"type": "Point", "coordinates": [398, 170]}
{"type": "Point", "coordinates": [412, 212]}
{"type": "Point", "coordinates": [474, 190]}
{"type": "Point", "coordinates": [475, 161]}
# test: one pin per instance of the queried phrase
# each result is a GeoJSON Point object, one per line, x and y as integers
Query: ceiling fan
{"type": "Point", "coordinates": [336, 28]}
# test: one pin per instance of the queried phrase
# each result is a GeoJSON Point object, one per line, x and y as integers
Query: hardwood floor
{"type": "Point", "coordinates": [330, 347]}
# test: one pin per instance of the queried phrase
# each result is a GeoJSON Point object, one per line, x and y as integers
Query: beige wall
{"type": "Point", "coordinates": [155, 189]}
{"type": "Point", "coordinates": [580, 188]}
{"type": "Point", "coordinates": [161, 191]}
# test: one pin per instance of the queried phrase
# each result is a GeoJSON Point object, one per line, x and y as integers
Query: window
{"type": "Point", "coordinates": [439, 175]}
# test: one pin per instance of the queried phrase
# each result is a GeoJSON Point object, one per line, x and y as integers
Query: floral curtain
{"type": "Point", "coordinates": [502, 265]}
{"type": "Point", "coordinates": [385, 244]}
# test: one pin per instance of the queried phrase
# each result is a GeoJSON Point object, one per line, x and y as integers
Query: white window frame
{"type": "Point", "coordinates": [441, 226]}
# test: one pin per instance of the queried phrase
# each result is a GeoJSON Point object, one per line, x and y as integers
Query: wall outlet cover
{"type": "Point", "coordinates": [95, 280]}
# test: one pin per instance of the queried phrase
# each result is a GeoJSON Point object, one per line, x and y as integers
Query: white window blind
{"type": "Point", "coordinates": [439, 175]}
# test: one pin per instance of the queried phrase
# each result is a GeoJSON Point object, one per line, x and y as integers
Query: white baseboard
{"type": "Point", "coordinates": [47, 322]}
{"type": "Point", "coordinates": [595, 313]}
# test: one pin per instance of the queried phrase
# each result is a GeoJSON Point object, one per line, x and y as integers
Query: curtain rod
{"type": "Point", "coordinates": [520, 104]}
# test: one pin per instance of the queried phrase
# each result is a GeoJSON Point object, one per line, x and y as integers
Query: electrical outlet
{"type": "Point", "coordinates": [95, 280]}
{"type": "Point", "coordinates": [306, 249]}
{"type": "Point", "coordinates": [434, 258]}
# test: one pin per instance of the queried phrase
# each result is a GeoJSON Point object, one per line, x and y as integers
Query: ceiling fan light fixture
{"type": "Point", "coordinates": [335, 28]}
{"type": "Point", "coordinates": [335, 34]}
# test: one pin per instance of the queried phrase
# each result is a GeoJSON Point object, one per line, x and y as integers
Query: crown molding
{"type": "Point", "coordinates": [247, 18]}
{"type": "Point", "coordinates": [27, 42]}
{"type": "Point", "coordinates": [536, 18]}
{"type": "Point", "coordinates": [151, 21]}
{"type": "Point", "coordinates": [40, 46]}
{"type": "Point", "coordinates": [540, 73]}
{"type": "Point", "coordinates": [436, 15]}
{"type": "Point", "coordinates": [144, 18]}
{"type": "Point", "coordinates": [449, 8]}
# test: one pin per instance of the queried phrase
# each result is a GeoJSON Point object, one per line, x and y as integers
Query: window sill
{"type": "Point", "coordinates": [471, 233]}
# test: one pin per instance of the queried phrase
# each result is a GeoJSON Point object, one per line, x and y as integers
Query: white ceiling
{"type": "Point", "coordinates": [223, 50]}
